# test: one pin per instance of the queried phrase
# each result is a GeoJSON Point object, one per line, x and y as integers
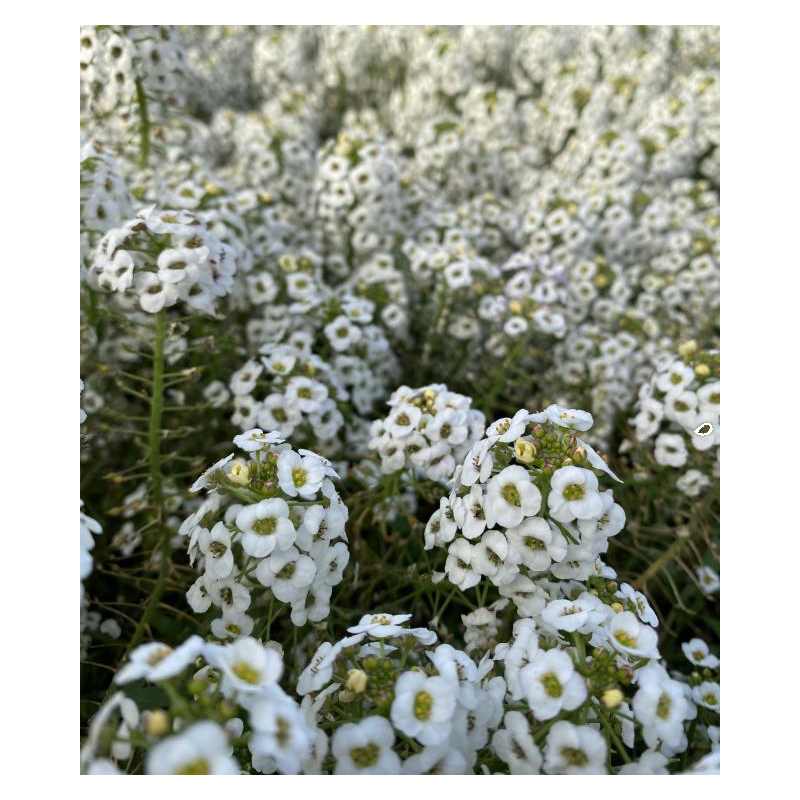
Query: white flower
{"type": "Point", "coordinates": [479, 462]}
{"type": "Point", "coordinates": [692, 482]}
{"type": "Point", "coordinates": [232, 624]}
{"type": "Point", "coordinates": [670, 450]}
{"type": "Point", "coordinates": [460, 565]}
{"type": "Point", "coordinates": [643, 609]}
{"type": "Point", "coordinates": [675, 378]}
{"type": "Point", "coordinates": [538, 542]}
{"type": "Point", "coordinates": [572, 418]}
{"type": "Point", "coordinates": [511, 496]}
{"type": "Point", "coordinates": [610, 522]}
{"type": "Point", "coordinates": [249, 666]}
{"type": "Point", "coordinates": [423, 707]}
{"type": "Point", "coordinates": [330, 561]}
{"type": "Point", "coordinates": [648, 420]}
{"type": "Point", "coordinates": [574, 750]}
{"type": "Point", "coordinates": [509, 429]}
{"type": "Point", "coordinates": [651, 762]}
{"type": "Point", "coordinates": [529, 598]}
{"type": "Point", "coordinates": [300, 475]}
{"type": "Point", "coordinates": [660, 704]}
{"type": "Point", "coordinates": [583, 614]}
{"type": "Point", "coordinates": [155, 661]}
{"type": "Point", "coordinates": [202, 749]}
{"type": "Point", "coordinates": [514, 744]}
{"type": "Point", "coordinates": [255, 439]}
{"type": "Point", "coordinates": [315, 605]}
{"type": "Point", "coordinates": [449, 425]}
{"type": "Point", "coordinates": [493, 557]}
{"type": "Point", "coordinates": [305, 394]}
{"type": "Point", "coordinates": [632, 637]}
{"type": "Point", "coordinates": [265, 526]}
{"type": "Point", "coordinates": [707, 695]}
{"type": "Point", "coordinates": [403, 420]}
{"type": "Point", "coordinates": [470, 513]}
{"type": "Point", "coordinates": [342, 333]}
{"type": "Point", "coordinates": [320, 669]}
{"type": "Point", "coordinates": [433, 531]}
{"type": "Point", "coordinates": [365, 748]}
{"type": "Point", "coordinates": [381, 625]}
{"type": "Point", "coordinates": [440, 759]}
{"type": "Point", "coordinates": [696, 650]}
{"type": "Point", "coordinates": [228, 594]}
{"type": "Point", "coordinates": [216, 545]}
{"type": "Point", "coordinates": [596, 461]}
{"type": "Point", "coordinates": [551, 684]}
{"type": "Point", "coordinates": [573, 495]}
{"type": "Point", "coordinates": [682, 408]}
{"type": "Point", "coordinates": [204, 480]}
{"type": "Point", "coordinates": [287, 573]}
{"type": "Point", "coordinates": [708, 579]}
{"type": "Point", "coordinates": [198, 597]}
{"type": "Point", "coordinates": [280, 731]}
{"type": "Point", "coordinates": [244, 380]}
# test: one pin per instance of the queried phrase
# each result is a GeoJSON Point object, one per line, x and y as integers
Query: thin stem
{"type": "Point", "coordinates": [613, 734]}
{"type": "Point", "coordinates": [156, 477]}
{"type": "Point", "coordinates": [144, 123]}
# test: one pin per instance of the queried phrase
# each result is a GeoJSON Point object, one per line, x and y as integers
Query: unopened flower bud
{"type": "Point", "coordinates": [156, 723]}
{"type": "Point", "coordinates": [196, 687]}
{"type": "Point", "coordinates": [356, 681]}
{"type": "Point", "coordinates": [702, 370]}
{"type": "Point", "coordinates": [617, 607]}
{"type": "Point", "coordinates": [226, 708]}
{"type": "Point", "coordinates": [524, 451]}
{"type": "Point", "coordinates": [240, 473]}
{"type": "Point", "coordinates": [612, 698]}
{"type": "Point", "coordinates": [579, 454]}
{"type": "Point", "coordinates": [686, 349]}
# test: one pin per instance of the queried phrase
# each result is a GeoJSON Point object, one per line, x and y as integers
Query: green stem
{"type": "Point", "coordinates": [156, 477]}
{"type": "Point", "coordinates": [580, 647]}
{"type": "Point", "coordinates": [144, 124]}
{"type": "Point", "coordinates": [156, 488]}
{"type": "Point", "coordinates": [613, 734]}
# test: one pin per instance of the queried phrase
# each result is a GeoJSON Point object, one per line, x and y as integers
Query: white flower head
{"type": "Point", "coordinates": [255, 439]}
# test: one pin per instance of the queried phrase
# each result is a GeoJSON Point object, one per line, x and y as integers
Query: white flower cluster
{"type": "Point", "coordinates": [268, 529]}
{"type": "Point", "coordinates": [319, 353]}
{"type": "Point", "coordinates": [282, 735]}
{"type": "Point", "coordinates": [105, 200]}
{"type": "Point", "coordinates": [679, 408]}
{"type": "Point", "coordinates": [356, 197]}
{"type": "Point", "coordinates": [119, 64]}
{"type": "Point", "coordinates": [529, 214]}
{"type": "Point", "coordinates": [544, 513]}
{"type": "Point", "coordinates": [163, 257]}
{"type": "Point", "coordinates": [440, 698]}
{"type": "Point", "coordinates": [429, 429]}
{"type": "Point", "coordinates": [299, 392]}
